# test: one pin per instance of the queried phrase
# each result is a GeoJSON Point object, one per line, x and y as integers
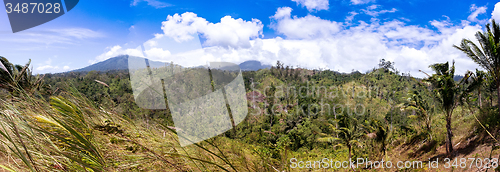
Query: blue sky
{"type": "Point", "coordinates": [340, 35]}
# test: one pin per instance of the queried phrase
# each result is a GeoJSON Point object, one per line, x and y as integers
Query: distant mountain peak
{"type": "Point", "coordinates": [121, 63]}
{"type": "Point", "coordinates": [252, 65]}
{"type": "Point", "coordinates": [114, 63]}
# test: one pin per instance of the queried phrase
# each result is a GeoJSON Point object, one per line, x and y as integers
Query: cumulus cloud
{"type": "Point", "coordinates": [313, 5]}
{"type": "Point", "coordinates": [358, 47]}
{"type": "Point", "coordinates": [307, 27]}
{"type": "Point", "coordinates": [413, 48]}
{"type": "Point", "coordinates": [228, 32]}
{"type": "Point", "coordinates": [372, 10]}
{"type": "Point", "coordinates": [181, 34]}
{"type": "Point", "coordinates": [312, 42]}
{"type": "Point", "coordinates": [496, 12]}
{"type": "Point", "coordinates": [475, 12]}
{"type": "Point", "coordinates": [358, 2]}
{"type": "Point", "coordinates": [157, 53]}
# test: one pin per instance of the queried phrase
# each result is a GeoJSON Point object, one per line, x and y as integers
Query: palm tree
{"type": "Point", "coordinates": [487, 55]}
{"type": "Point", "coordinates": [420, 105]}
{"type": "Point", "coordinates": [379, 132]}
{"type": "Point", "coordinates": [348, 134]}
{"type": "Point", "coordinates": [447, 92]}
{"type": "Point", "coordinates": [476, 81]}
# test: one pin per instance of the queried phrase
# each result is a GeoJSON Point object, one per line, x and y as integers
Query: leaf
{"type": "Point", "coordinates": [270, 132]}
{"type": "Point", "coordinates": [413, 116]}
{"type": "Point", "coordinates": [100, 82]}
{"type": "Point", "coordinates": [326, 139]}
{"type": "Point", "coordinates": [3, 68]}
{"type": "Point", "coordinates": [7, 168]}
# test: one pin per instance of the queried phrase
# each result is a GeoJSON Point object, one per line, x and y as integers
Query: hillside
{"type": "Point", "coordinates": [90, 121]}
{"type": "Point", "coordinates": [115, 63]}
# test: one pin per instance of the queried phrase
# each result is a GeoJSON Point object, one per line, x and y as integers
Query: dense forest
{"type": "Point", "coordinates": [89, 121]}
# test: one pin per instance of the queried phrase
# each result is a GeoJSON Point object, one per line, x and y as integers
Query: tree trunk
{"type": "Point", "coordinates": [449, 144]}
{"type": "Point", "coordinates": [349, 146]}
{"type": "Point", "coordinates": [498, 94]}
{"type": "Point", "coordinates": [479, 95]}
{"type": "Point", "coordinates": [383, 147]}
{"type": "Point", "coordinates": [428, 122]}
{"type": "Point", "coordinates": [491, 98]}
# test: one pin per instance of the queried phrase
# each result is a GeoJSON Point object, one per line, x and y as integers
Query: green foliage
{"type": "Point", "coordinates": [15, 78]}
{"type": "Point", "coordinates": [420, 104]}
{"type": "Point", "coordinates": [487, 54]}
{"type": "Point", "coordinates": [297, 113]}
{"type": "Point", "coordinates": [448, 93]}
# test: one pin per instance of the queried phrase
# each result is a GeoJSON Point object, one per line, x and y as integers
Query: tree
{"type": "Point", "coordinates": [378, 131]}
{"type": "Point", "coordinates": [348, 133]}
{"type": "Point", "coordinates": [421, 106]}
{"type": "Point", "coordinates": [487, 55]}
{"type": "Point", "coordinates": [388, 65]}
{"type": "Point", "coordinates": [447, 93]}
{"type": "Point", "coordinates": [476, 81]}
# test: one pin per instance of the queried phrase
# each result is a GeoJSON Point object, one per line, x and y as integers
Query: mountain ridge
{"type": "Point", "coordinates": [121, 63]}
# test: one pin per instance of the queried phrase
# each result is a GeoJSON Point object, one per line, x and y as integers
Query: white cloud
{"type": "Point", "coordinates": [48, 67]}
{"type": "Point", "coordinates": [351, 15]}
{"type": "Point", "coordinates": [360, 47]}
{"type": "Point", "coordinates": [398, 33]}
{"type": "Point", "coordinates": [283, 12]}
{"type": "Point", "coordinates": [132, 29]}
{"type": "Point", "coordinates": [313, 42]}
{"type": "Point", "coordinates": [475, 12]}
{"type": "Point", "coordinates": [307, 27]}
{"type": "Point", "coordinates": [154, 3]}
{"type": "Point", "coordinates": [496, 12]}
{"type": "Point", "coordinates": [116, 51]}
{"type": "Point", "coordinates": [413, 48]}
{"type": "Point", "coordinates": [371, 10]}
{"type": "Point", "coordinates": [157, 53]}
{"type": "Point", "coordinates": [358, 2]}
{"type": "Point", "coordinates": [54, 36]}
{"type": "Point", "coordinates": [313, 5]}
{"type": "Point", "coordinates": [228, 32]}
{"type": "Point", "coordinates": [79, 33]}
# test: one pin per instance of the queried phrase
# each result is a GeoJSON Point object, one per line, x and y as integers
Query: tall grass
{"type": "Point", "coordinates": [68, 132]}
